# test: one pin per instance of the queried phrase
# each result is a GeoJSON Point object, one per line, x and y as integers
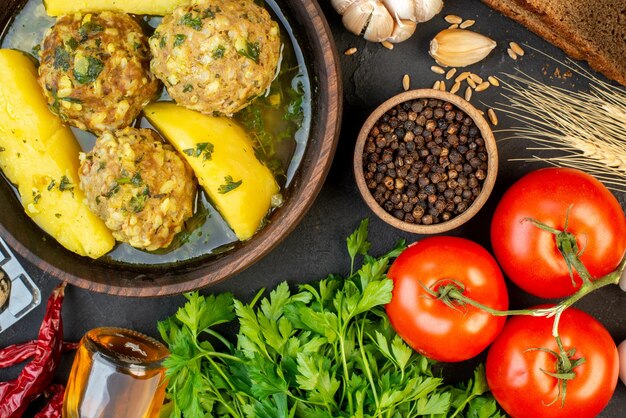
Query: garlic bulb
{"type": "Point", "coordinates": [385, 20]}
{"type": "Point", "coordinates": [460, 47]}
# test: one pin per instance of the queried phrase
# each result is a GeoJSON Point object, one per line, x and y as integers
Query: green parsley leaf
{"type": "Point", "coordinates": [72, 43]}
{"type": "Point", "coordinates": [229, 186]}
{"type": "Point", "coordinates": [193, 22]}
{"type": "Point", "coordinates": [89, 28]}
{"type": "Point", "coordinates": [187, 88]}
{"type": "Point", "coordinates": [252, 51]}
{"type": "Point", "coordinates": [137, 203]}
{"type": "Point", "coordinates": [61, 59]}
{"type": "Point", "coordinates": [324, 350]}
{"type": "Point", "coordinates": [204, 149]}
{"type": "Point", "coordinates": [112, 191]}
{"type": "Point", "coordinates": [35, 50]}
{"type": "Point", "coordinates": [218, 52]}
{"type": "Point", "coordinates": [71, 99]}
{"type": "Point", "coordinates": [357, 242]}
{"type": "Point", "coordinates": [136, 180]}
{"type": "Point", "coordinates": [87, 69]}
{"type": "Point", "coordinates": [179, 39]}
{"type": "Point", "coordinates": [65, 184]}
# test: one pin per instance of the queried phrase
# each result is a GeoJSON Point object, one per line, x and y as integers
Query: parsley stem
{"type": "Point", "coordinates": [344, 361]}
{"type": "Point", "coordinates": [220, 337]}
{"type": "Point", "coordinates": [366, 366]}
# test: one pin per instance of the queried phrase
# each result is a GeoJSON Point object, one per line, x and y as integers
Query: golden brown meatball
{"type": "Point", "coordinates": [138, 186]}
{"type": "Point", "coordinates": [95, 70]}
{"type": "Point", "coordinates": [216, 56]}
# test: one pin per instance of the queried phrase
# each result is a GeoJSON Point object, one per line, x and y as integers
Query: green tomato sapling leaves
{"type": "Point", "coordinates": [325, 349]}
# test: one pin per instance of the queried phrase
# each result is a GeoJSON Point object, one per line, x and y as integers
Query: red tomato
{"type": "Point", "coordinates": [514, 368]}
{"type": "Point", "coordinates": [529, 256]}
{"type": "Point", "coordinates": [431, 327]}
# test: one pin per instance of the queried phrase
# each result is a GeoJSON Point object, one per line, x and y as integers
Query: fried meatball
{"type": "Point", "coordinates": [138, 186]}
{"type": "Point", "coordinates": [216, 56]}
{"type": "Point", "coordinates": [95, 70]}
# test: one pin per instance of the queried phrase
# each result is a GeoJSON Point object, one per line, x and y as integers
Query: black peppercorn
{"type": "Point", "coordinates": [424, 161]}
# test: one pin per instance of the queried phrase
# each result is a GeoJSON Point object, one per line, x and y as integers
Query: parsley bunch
{"type": "Point", "coordinates": [326, 350]}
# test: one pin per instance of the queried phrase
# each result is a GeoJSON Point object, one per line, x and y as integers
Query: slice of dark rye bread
{"type": "Point", "coordinates": [592, 30]}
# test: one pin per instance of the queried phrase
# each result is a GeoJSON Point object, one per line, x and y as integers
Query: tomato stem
{"type": "Point", "coordinates": [451, 292]}
{"type": "Point", "coordinates": [567, 244]}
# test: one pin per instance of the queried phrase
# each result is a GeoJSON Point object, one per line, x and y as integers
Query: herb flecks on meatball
{"type": "Point", "coordinates": [95, 70]}
{"type": "Point", "coordinates": [138, 186]}
{"type": "Point", "coordinates": [216, 56]}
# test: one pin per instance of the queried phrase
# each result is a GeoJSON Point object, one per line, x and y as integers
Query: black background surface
{"type": "Point", "coordinates": [317, 246]}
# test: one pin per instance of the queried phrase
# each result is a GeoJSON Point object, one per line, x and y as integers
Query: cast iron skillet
{"type": "Point", "coordinates": [322, 61]}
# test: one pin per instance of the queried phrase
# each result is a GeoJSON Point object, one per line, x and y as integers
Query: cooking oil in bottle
{"type": "Point", "coordinates": [117, 373]}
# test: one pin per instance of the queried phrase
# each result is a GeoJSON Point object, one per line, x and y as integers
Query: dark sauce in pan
{"type": "Point", "coordinates": [281, 141]}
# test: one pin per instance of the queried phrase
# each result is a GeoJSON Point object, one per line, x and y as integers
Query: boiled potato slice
{"type": "Point", "coordinates": [222, 156]}
{"type": "Point", "coordinates": [139, 7]}
{"type": "Point", "coordinates": [40, 155]}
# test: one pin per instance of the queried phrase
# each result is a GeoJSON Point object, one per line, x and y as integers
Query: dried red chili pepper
{"type": "Point", "coordinates": [54, 407]}
{"type": "Point", "coordinates": [17, 353]}
{"type": "Point", "coordinates": [36, 375]}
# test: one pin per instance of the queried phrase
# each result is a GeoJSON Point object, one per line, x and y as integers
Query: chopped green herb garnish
{"type": "Point", "coordinates": [137, 45]}
{"type": "Point", "coordinates": [58, 215]}
{"type": "Point", "coordinates": [101, 166]}
{"type": "Point", "coordinates": [87, 70]}
{"type": "Point", "coordinates": [137, 203]}
{"type": "Point", "coordinates": [52, 184]}
{"type": "Point", "coordinates": [252, 51]}
{"type": "Point", "coordinates": [65, 184]}
{"type": "Point", "coordinates": [187, 88]}
{"type": "Point", "coordinates": [71, 100]}
{"type": "Point", "coordinates": [112, 191]}
{"type": "Point", "coordinates": [72, 43]}
{"type": "Point", "coordinates": [61, 59]}
{"type": "Point", "coordinates": [179, 38]}
{"type": "Point", "coordinates": [210, 13]}
{"type": "Point", "coordinates": [89, 28]}
{"type": "Point", "coordinates": [218, 52]}
{"type": "Point", "coordinates": [163, 42]}
{"type": "Point", "coordinates": [193, 22]}
{"type": "Point", "coordinates": [36, 197]}
{"type": "Point", "coordinates": [229, 186]}
{"type": "Point", "coordinates": [35, 50]}
{"type": "Point", "coordinates": [203, 148]}
{"type": "Point", "coordinates": [136, 180]}
{"type": "Point", "coordinates": [123, 180]}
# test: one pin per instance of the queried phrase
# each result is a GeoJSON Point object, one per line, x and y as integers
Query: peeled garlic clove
{"type": "Point", "coordinates": [403, 31]}
{"type": "Point", "coordinates": [426, 9]}
{"type": "Point", "coordinates": [342, 5]}
{"type": "Point", "coordinates": [380, 26]}
{"type": "Point", "coordinates": [356, 17]}
{"type": "Point", "coordinates": [460, 47]}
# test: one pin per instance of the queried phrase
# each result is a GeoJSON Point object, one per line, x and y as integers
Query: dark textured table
{"type": "Point", "coordinates": [317, 246]}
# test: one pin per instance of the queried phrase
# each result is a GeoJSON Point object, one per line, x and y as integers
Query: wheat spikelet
{"type": "Point", "coordinates": [583, 129]}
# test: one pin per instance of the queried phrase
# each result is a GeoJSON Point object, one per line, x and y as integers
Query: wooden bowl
{"type": "Point", "coordinates": [313, 34]}
{"type": "Point", "coordinates": [490, 144]}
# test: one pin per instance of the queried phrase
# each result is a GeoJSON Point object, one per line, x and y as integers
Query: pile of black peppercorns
{"type": "Point", "coordinates": [425, 161]}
